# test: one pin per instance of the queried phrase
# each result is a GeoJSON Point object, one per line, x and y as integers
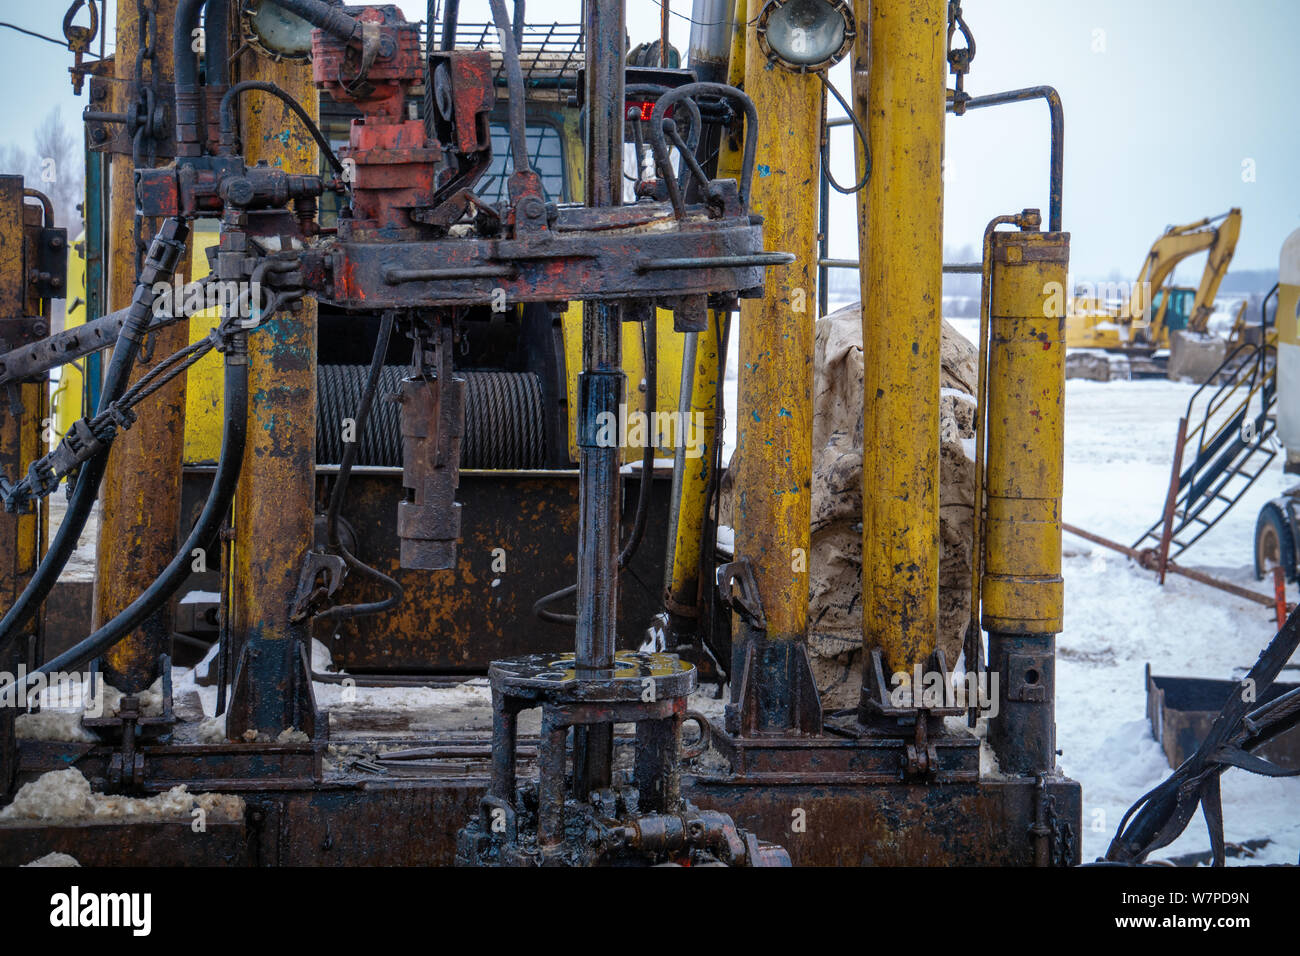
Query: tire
{"type": "Point", "coordinates": [1274, 542]}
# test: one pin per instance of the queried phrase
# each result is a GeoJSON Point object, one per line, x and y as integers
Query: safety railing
{"type": "Point", "coordinates": [1217, 459]}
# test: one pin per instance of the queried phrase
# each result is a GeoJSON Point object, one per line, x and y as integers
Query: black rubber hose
{"type": "Point", "coordinates": [186, 60]}
{"type": "Point", "coordinates": [234, 433]}
{"type": "Point", "coordinates": [159, 267]}
{"type": "Point", "coordinates": [450, 24]}
{"type": "Point", "coordinates": [216, 36]}
{"type": "Point", "coordinates": [650, 342]}
{"type": "Point", "coordinates": [328, 18]}
{"type": "Point", "coordinates": [346, 611]}
{"type": "Point", "coordinates": [187, 109]}
{"type": "Point", "coordinates": [518, 17]}
{"type": "Point", "coordinates": [228, 118]}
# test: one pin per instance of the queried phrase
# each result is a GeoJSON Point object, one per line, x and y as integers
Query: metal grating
{"type": "Point", "coordinates": [545, 152]}
{"type": "Point", "coordinates": [550, 55]}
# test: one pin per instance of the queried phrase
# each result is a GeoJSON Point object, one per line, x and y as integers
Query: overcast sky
{"type": "Point", "coordinates": [1165, 100]}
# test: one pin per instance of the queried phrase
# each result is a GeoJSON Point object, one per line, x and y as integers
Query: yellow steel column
{"type": "Point", "coordinates": [274, 511]}
{"type": "Point", "coordinates": [682, 593]}
{"type": "Point", "coordinates": [140, 499]}
{"type": "Point", "coordinates": [900, 223]}
{"type": "Point", "coordinates": [772, 500]}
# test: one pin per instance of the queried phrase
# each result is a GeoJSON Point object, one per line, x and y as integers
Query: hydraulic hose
{"type": "Point", "coordinates": [234, 433]}
{"type": "Point", "coordinates": [164, 253]}
{"type": "Point", "coordinates": [186, 60]}
{"type": "Point", "coordinates": [328, 18]}
{"type": "Point", "coordinates": [227, 146]}
{"type": "Point", "coordinates": [450, 23]}
{"type": "Point", "coordinates": [344, 611]}
{"type": "Point", "coordinates": [188, 132]}
{"type": "Point", "coordinates": [216, 35]}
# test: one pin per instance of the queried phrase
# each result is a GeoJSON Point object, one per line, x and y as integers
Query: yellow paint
{"type": "Point", "coordinates": [1093, 323]}
{"type": "Point", "coordinates": [1022, 590]}
{"type": "Point", "coordinates": [683, 574]}
{"type": "Point", "coordinates": [203, 385]}
{"type": "Point", "coordinates": [773, 460]}
{"type": "Point", "coordinates": [140, 495]}
{"type": "Point", "coordinates": [66, 394]}
{"type": "Point", "coordinates": [668, 372]}
{"type": "Point", "coordinates": [900, 222]}
{"type": "Point", "coordinates": [273, 513]}
{"type": "Point", "coordinates": [22, 536]}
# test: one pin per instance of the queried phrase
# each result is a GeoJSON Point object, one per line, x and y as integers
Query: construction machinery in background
{"type": "Point", "coordinates": [1226, 439]}
{"type": "Point", "coordinates": [1150, 323]}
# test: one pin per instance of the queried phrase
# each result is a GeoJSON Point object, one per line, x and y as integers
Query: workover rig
{"type": "Point", "coordinates": [467, 291]}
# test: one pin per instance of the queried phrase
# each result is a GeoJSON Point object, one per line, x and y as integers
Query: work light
{"type": "Point", "coordinates": [805, 35]}
{"type": "Point", "coordinates": [277, 32]}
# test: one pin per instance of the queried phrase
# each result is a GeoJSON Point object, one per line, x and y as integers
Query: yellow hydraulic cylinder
{"type": "Point", "coordinates": [682, 590]}
{"type": "Point", "coordinates": [274, 515]}
{"type": "Point", "coordinates": [1023, 429]}
{"type": "Point", "coordinates": [900, 222]}
{"type": "Point", "coordinates": [140, 499]}
{"type": "Point", "coordinates": [772, 497]}
{"type": "Point", "coordinates": [682, 587]}
{"type": "Point", "coordinates": [1022, 589]}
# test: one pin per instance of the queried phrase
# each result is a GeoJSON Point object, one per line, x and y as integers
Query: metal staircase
{"type": "Point", "coordinates": [1222, 455]}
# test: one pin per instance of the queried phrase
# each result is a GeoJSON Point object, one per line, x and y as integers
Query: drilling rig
{"type": "Point", "coordinates": [531, 231]}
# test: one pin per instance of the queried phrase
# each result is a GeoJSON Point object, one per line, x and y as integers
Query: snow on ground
{"type": "Point", "coordinates": [1119, 440]}
{"type": "Point", "coordinates": [81, 564]}
{"type": "Point", "coordinates": [1119, 443]}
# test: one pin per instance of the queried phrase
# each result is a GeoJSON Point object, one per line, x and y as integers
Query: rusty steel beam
{"type": "Point", "coordinates": [140, 498]}
{"type": "Point", "coordinates": [274, 514]}
{"type": "Point", "coordinates": [601, 388]}
{"type": "Point", "coordinates": [1171, 502]}
{"type": "Point", "coordinates": [1148, 560]}
{"type": "Point", "coordinates": [349, 822]}
{"type": "Point", "coordinates": [23, 319]}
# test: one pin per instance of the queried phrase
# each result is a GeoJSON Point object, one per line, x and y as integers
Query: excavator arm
{"type": "Point", "coordinates": [1216, 267]}
{"type": "Point", "coordinates": [1218, 234]}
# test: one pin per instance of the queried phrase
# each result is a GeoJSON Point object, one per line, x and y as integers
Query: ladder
{"type": "Point", "coordinates": [1218, 459]}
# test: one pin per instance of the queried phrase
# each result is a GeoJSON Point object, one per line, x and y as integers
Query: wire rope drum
{"type": "Point", "coordinates": [504, 418]}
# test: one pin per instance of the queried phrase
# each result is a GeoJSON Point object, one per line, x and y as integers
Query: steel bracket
{"type": "Point", "coordinates": [50, 277]}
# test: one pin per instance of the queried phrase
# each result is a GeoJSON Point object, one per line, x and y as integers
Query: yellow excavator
{"type": "Point", "coordinates": [1141, 325]}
